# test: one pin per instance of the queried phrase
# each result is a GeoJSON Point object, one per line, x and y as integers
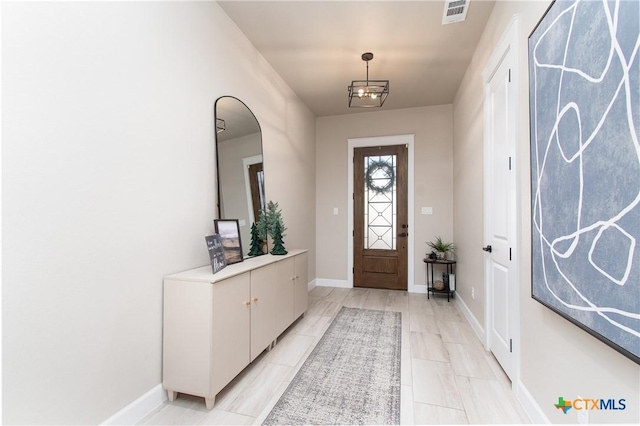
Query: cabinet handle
{"type": "Point", "coordinates": [247, 303]}
{"type": "Point", "coordinates": [255, 299]}
{"type": "Point", "coordinates": [293, 278]}
{"type": "Point", "coordinates": [297, 277]}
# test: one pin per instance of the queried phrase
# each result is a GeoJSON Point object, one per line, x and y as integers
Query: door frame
{"type": "Point", "coordinates": [246, 162]}
{"type": "Point", "coordinates": [507, 49]}
{"type": "Point", "coordinates": [382, 141]}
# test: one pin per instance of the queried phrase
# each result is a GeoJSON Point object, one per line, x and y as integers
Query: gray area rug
{"type": "Point", "coordinates": [352, 376]}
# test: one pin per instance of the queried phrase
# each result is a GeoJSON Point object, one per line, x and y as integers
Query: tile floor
{"type": "Point", "coordinates": [447, 376]}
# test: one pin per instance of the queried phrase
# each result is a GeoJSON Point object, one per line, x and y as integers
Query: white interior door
{"type": "Point", "coordinates": [500, 214]}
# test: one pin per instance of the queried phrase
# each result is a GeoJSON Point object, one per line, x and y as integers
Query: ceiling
{"type": "Point", "coordinates": [316, 47]}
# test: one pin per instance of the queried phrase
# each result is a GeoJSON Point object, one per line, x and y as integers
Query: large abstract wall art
{"type": "Point", "coordinates": [584, 79]}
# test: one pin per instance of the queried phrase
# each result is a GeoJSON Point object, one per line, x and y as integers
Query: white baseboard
{"type": "Point", "coordinates": [530, 405]}
{"type": "Point", "coordinates": [323, 282]}
{"type": "Point", "coordinates": [311, 285]}
{"type": "Point", "coordinates": [475, 324]}
{"type": "Point", "coordinates": [417, 289]}
{"type": "Point", "coordinates": [138, 409]}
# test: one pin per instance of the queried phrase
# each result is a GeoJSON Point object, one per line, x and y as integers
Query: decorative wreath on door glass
{"type": "Point", "coordinates": [380, 176]}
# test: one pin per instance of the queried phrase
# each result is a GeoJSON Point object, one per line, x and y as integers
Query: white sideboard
{"type": "Point", "coordinates": [216, 324]}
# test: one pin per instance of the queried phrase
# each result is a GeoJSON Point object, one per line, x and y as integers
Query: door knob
{"type": "Point", "coordinates": [404, 234]}
{"type": "Point", "coordinates": [487, 249]}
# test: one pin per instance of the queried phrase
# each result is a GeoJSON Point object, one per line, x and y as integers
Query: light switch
{"type": "Point", "coordinates": [427, 210]}
{"type": "Point", "coordinates": [335, 210]}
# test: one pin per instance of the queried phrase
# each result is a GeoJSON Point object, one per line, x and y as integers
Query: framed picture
{"type": "Point", "coordinates": [584, 75]}
{"type": "Point", "coordinates": [229, 231]}
{"type": "Point", "coordinates": [216, 252]}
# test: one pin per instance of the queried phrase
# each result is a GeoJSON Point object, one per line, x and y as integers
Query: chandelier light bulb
{"type": "Point", "coordinates": [373, 96]}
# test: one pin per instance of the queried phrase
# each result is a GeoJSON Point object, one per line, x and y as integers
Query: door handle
{"type": "Point", "coordinates": [487, 249]}
{"type": "Point", "coordinates": [404, 234]}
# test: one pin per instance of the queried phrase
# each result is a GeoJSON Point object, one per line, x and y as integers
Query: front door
{"type": "Point", "coordinates": [256, 182]}
{"type": "Point", "coordinates": [380, 217]}
{"type": "Point", "coordinates": [500, 212]}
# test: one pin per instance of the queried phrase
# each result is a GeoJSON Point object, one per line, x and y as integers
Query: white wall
{"type": "Point", "coordinates": [558, 358]}
{"type": "Point", "coordinates": [108, 185]}
{"type": "Point", "coordinates": [433, 179]}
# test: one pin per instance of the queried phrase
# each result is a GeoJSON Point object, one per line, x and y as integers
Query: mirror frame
{"type": "Point", "coordinates": [218, 181]}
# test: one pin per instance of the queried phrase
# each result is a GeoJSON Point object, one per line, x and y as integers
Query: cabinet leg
{"type": "Point", "coordinates": [209, 402]}
{"type": "Point", "coordinates": [172, 395]}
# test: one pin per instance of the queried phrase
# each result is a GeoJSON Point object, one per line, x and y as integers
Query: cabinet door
{"type": "Point", "coordinates": [187, 337]}
{"type": "Point", "coordinates": [263, 308]}
{"type": "Point", "coordinates": [284, 291]}
{"type": "Point", "coordinates": [231, 315]}
{"type": "Point", "coordinates": [301, 291]}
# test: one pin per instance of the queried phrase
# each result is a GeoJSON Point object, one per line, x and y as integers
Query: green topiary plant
{"type": "Point", "coordinates": [267, 223]}
{"type": "Point", "coordinates": [278, 244]}
{"type": "Point", "coordinates": [261, 226]}
{"type": "Point", "coordinates": [256, 242]}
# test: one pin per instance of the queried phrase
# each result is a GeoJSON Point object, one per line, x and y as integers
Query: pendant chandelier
{"type": "Point", "coordinates": [368, 93]}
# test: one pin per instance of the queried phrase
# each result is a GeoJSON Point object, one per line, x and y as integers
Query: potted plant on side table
{"type": "Point", "coordinates": [441, 248]}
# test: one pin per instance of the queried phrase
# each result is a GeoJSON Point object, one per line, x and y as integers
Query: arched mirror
{"type": "Point", "coordinates": [241, 187]}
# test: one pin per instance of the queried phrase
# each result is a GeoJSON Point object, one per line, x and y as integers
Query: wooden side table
{"type": "Point", "coordinates": [450, 267]}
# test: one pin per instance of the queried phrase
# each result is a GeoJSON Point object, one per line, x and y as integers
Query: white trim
{"type": "Point", "coordinates": [473, 321]}
{"type": "Point", "coordinates": [530, 406]}
{"type": "Point", "coordinates": [246, 162]}
{"type": "Point", "coordinates": [383, 141]}
{"type": "Point", "coordinates": [324, 282]}
{"type": "Point", "coordinates": [508, 40]}
{"type": "Point", "coordinates": [419, 288]}
{"type": "Point", "coordinates": [139, 409]}
{"type": "Point", "coordinates": [507, 48]}
{"type": "Point", "coordinates": [311, 285]}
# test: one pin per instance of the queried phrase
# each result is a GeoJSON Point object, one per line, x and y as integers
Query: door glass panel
{"type": "Point", "coordinates": [380, 202]}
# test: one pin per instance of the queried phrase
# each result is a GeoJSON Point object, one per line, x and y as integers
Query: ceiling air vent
{"type": "Point", "coordinates": [455, 11]}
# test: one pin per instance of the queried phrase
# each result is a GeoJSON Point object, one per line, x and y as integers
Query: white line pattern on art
{"type": "Point", "coordinates": [624, 88]}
